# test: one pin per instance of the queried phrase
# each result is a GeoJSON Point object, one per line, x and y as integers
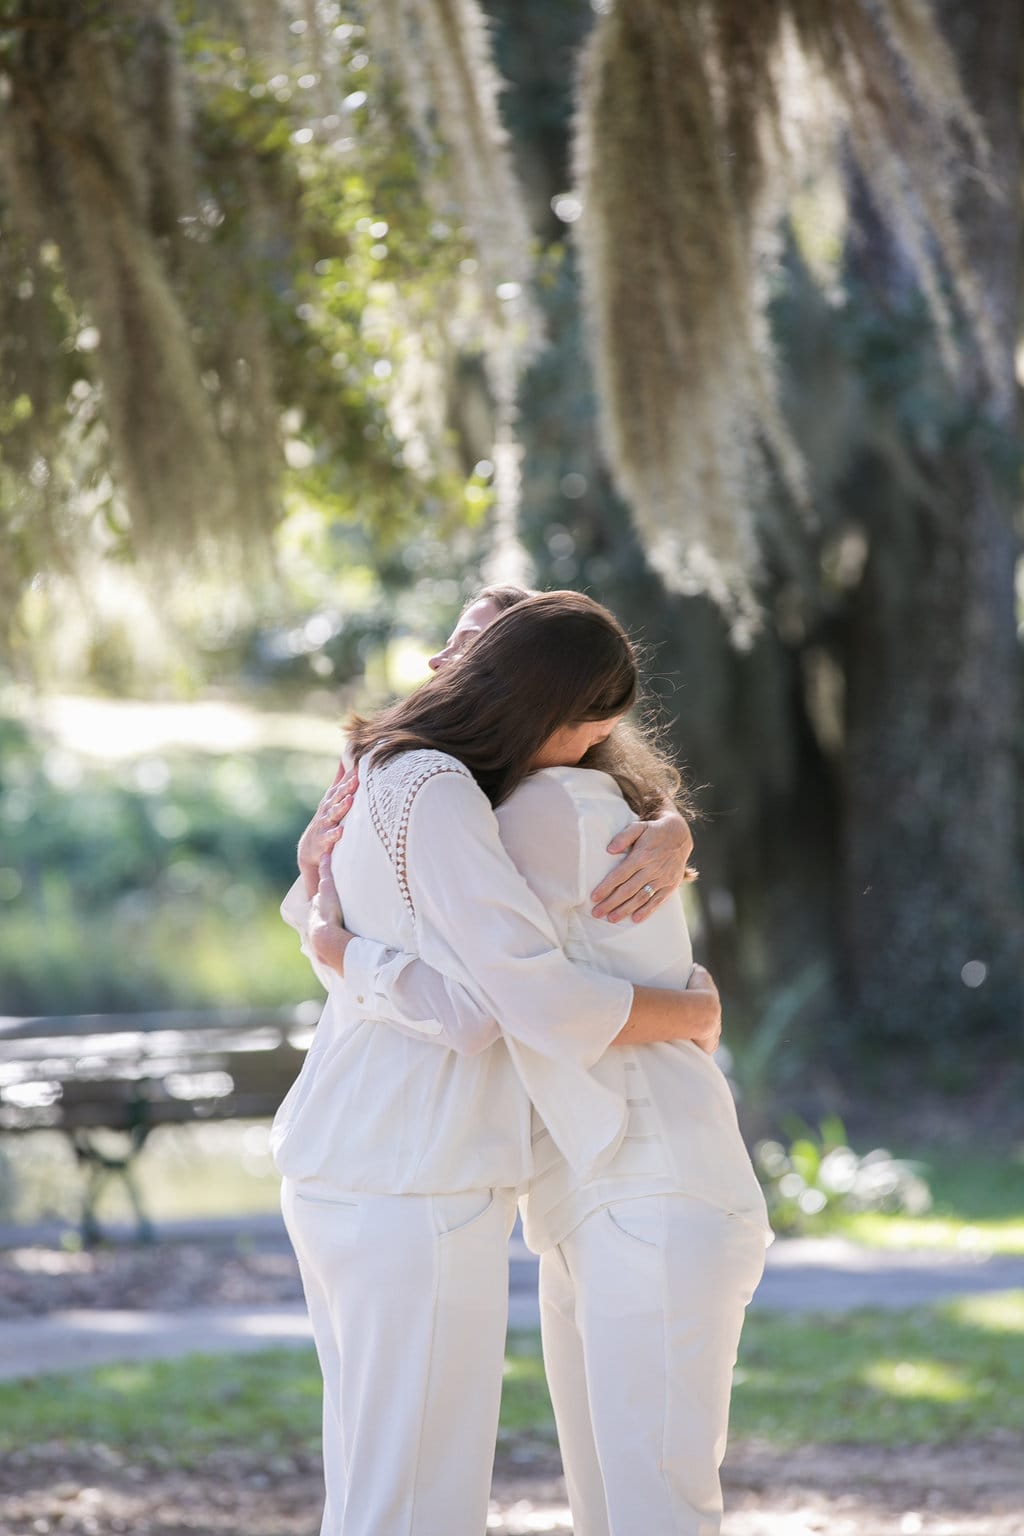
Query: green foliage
{"type": "Point", "coordinates": [977, 1206]}
{"type": "Point", "coordinates": [320, 225]}
{"type": "Point", "coordinates": [819, 1174]}
{"type": "Point", "coordinates": [155, 884]}
{"type": "Point", "coordinates": [311, 284]}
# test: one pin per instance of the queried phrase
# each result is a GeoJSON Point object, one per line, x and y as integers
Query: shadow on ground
{"type": "Point", "coordinates": [972, 1489]}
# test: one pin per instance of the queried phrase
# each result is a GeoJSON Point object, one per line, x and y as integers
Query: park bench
{"type": "Point", "coordinates": [129, 1073]}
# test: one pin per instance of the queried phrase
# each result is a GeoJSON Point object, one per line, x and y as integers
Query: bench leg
{"type": "Point", "coordinates": [100, 1167]}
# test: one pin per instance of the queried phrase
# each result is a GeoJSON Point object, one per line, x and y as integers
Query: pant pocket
{"type": "Point", "coordinates": [457, 1213]}
{"type": "Point", "coordinates": [640, 1220]}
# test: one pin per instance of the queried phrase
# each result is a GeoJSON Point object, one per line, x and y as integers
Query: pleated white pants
{"type": "Point", "coordinates": [641, 1312]}
{"type": "Point", "coordinates": [408, 1298]}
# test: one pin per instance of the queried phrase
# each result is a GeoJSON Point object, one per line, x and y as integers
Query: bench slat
{"type": "Point", "coordinates": [45, 1026]}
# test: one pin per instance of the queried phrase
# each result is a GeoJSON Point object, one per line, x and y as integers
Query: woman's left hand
{"type": "Point", "coordinates": [328, 824]}
{"type": "Point", "coordinates": [655, 867]}
{"type": "Point", "coordinates": [328, 936]}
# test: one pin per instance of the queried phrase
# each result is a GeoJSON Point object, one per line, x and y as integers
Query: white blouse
{"type": "Point", "coordinates": [460, 937]}
{"type": "Point", "coordinates": [682, 1135]}
{"type": "Point", "coordinates": [680, 1131]}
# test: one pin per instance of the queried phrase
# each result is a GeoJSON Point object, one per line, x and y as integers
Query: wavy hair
{"type": "Point", "coordinates": [634, 755]}
{"type": "Point", "coordinates": [553, 660]}
{"type": "Point", "coordinates": [559, 660]}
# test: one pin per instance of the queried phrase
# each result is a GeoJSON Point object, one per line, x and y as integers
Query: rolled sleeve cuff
{"type": "Point", "coordinates": [295, 907]}
{"type": "Point", "coordinates": [371, 973]}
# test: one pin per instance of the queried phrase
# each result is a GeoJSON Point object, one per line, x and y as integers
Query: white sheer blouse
{"type": "Point", "coordinates": [463, 945]}
{"type": "Point", "coordinates": [677, 1124]}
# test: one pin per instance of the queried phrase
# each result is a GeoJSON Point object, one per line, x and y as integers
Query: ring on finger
{"type": "Point", "coordinates": [648, 890]}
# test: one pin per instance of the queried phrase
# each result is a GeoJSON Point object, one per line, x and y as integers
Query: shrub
{"type": "Point", "coordinates": [819, 1174]}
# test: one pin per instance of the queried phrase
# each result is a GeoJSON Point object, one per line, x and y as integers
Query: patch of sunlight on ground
{"type": "Point", "coordinates": [528, 1519]}
{"type": "Point", "coordinates": [125, 1380]}
{"type": "Point", "coordinates": [918, 1379]}
{"type": "Point", "coordinates": [975, 1239]}
{"type": "Point", "coordinates": [1001, 1312]}
{"type": "Point", "coordinates": [115, 730]}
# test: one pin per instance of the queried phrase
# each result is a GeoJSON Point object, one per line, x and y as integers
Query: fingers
{"type": "Point", "coordinates": [347, 784]}
{"type": "Point", "coordinates": [334, 807]}
{"type": "Point", "coordinates": [625, 839]}
{"type": "Point", "coordinates": [644, 911]}
{"type": "Point", "coordinates": [622, 883]}
{"type": "Point", "coordinates": [338, 794]}
{"type": "Point", "coordinates": [638, 902]}
{"type": "Point", "coordinates": [323, 834]}
{"type": "Point", "coordinates": [635, 889]}
{"type": "Point", "coordinates": [640, 868]}
{"type": "Point", "coordinates": [332, 816]}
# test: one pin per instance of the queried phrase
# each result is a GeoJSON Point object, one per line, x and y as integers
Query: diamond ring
{"type": "Point", "coordinates": [648, 890]}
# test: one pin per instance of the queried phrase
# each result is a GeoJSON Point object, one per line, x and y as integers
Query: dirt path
{"type": "Point", "coordinates": [971, 1489]}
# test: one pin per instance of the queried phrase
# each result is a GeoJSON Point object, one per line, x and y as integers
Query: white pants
{"type": "Point", "coordinates": [408, 1297]}
{"type": "Point", "coordinates": [641, 1312]}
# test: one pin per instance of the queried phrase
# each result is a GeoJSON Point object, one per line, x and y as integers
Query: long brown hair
{"type": "Point", "coordinates": [552, 660]}
{"type": "Point", "coordinates": [634, 754]}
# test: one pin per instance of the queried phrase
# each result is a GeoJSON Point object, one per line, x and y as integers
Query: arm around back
{"type": "Point", "coordinates": [658, 1014]}
{"type": "Point", "coordinates": [544, 830]}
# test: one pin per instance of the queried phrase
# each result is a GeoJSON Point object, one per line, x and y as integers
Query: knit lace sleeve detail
{"type": "Point", "coordinates": [391, 790]}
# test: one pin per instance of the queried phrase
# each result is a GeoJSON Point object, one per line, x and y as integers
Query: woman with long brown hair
{"type": "Point", "coordinates": [401, 1155]}
{"type": "Point", "coordinates": [648, 1262]}
{"type": "Point", "coordinates": [656, 845]}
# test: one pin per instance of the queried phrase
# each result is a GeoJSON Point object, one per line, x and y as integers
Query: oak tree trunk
{"type": "Point", "coordinates": [932, 910]}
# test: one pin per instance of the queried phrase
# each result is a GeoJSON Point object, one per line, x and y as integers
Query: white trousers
{"type": "Point", "coordinates": [641, 1312]}
{"type": "Point", "coordinates": [408, 1298]}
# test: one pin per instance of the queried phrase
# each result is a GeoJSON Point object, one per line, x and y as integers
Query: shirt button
{"type": "Point", "coordinates": [360, 998]}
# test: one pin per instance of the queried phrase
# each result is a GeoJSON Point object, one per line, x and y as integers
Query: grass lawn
{"type": "Point", "coordinates": [942, 1374]}
{"type": "Point", "coordinates": [978, 1206]}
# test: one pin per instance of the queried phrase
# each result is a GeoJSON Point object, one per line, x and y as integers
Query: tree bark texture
{"type": "Point", "coordinates": [932, 910]}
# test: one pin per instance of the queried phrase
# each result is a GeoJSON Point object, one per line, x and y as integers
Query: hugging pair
{"type": "Point", "coordinates": [487, 1038]}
